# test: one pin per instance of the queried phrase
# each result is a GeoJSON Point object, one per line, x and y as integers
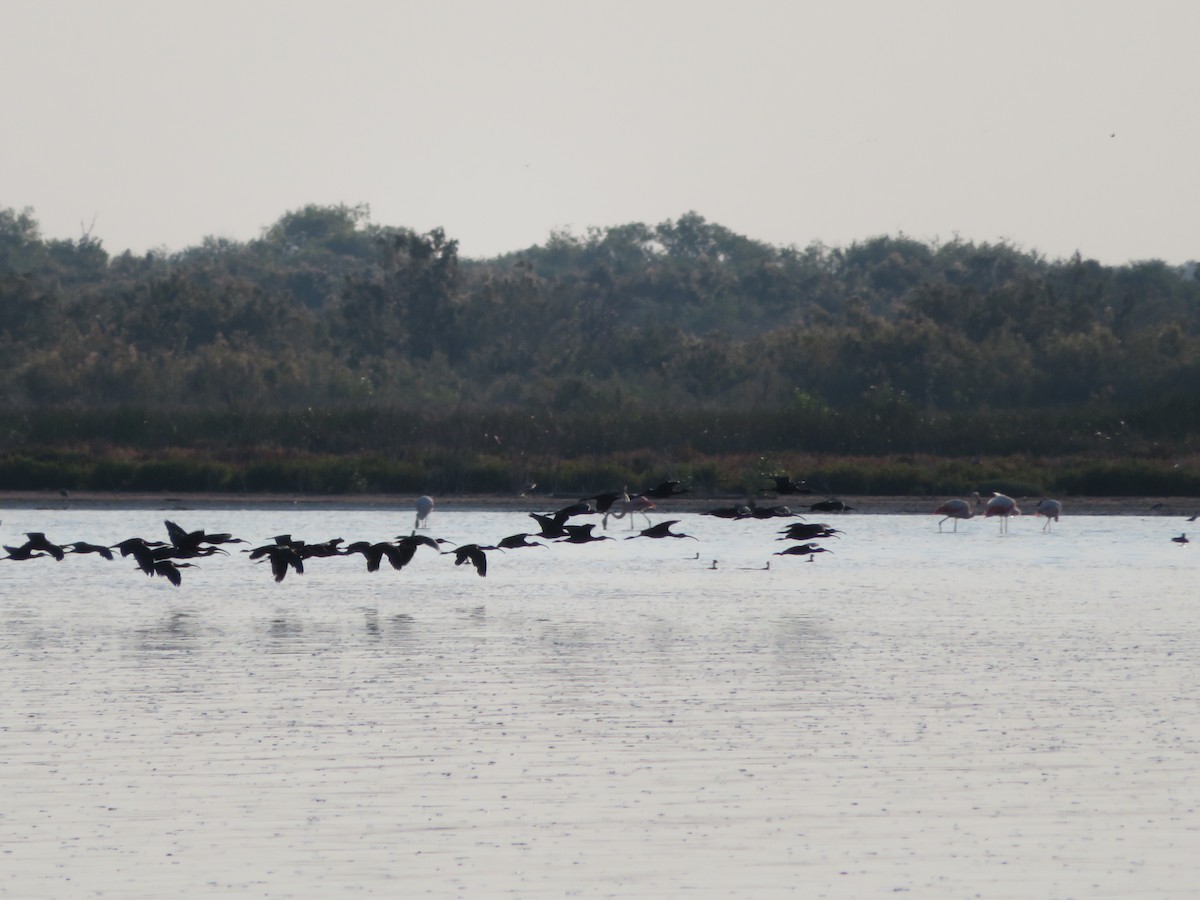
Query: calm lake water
{"type": "Point", "coordinates": [938, 714]}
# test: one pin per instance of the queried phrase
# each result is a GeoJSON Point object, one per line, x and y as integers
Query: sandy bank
{"type": "Point", "coordinates": [1085, 506]}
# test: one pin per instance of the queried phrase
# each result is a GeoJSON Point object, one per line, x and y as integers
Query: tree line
{"type": "Point", "coordinates": [679, 336]}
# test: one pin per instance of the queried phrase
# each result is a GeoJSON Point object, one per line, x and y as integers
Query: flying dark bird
{"type": "Point", "coordinates": [665, 491]}
{"type": "Point", "coordinates": [605, 501]}
{"type": "Point", "coordinates": [281, 557]}
{"type": "Point", "coordinates": [421, 540]}
{"type": "Point", "coordinates": [785, 485]}
{"type": "Point", "coordinates": [398, 557]}
{"type": "Point", "coordinates": [331, 547]}
{"type": "Point", "coordinates": [582, 508]}
{"type": "Point", "coordinates": [729, 512]}
{"type": "Point", "coordinates": [515, 541]}
{"type": "Point", "coordinates": [1181, 540]}
{"type": "Point", "coordinates": [85, 547]}
{"type": "Point", "coordinates": [831, 506]}
{"type": "Point", "coordinates": [802, 550]}
{"type": "Point", "coordinates": [582, 534]}
{"type": "Point", "coordinates": [141, 550]}
{"type": "Point", "coordinates": [24, 552]}
{"type": "Point", "coordinates": [474, 554]}
{"type": "Point", "coordinates": [38, 541]}
{"type": "Point", "coordinates": [169, 569]}
{"type": "Point", "coordinates": [771, 512]}
{"type": "Point", "coordinates": [188, 542]}
{"type": "Point", "coordinates": [661, 530]}
{"type": "Point", "coordinates": [806, 531]}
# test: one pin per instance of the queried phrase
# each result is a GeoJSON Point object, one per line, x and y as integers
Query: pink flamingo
{"type": "Point", "coordinates": [1003, 506]}
{"type": "Point", "coordinates": [1051, 509]}
{"type": "Point", "coordinates": [629, 506]}
{"type": "Point", "coordinates": [956, 509]}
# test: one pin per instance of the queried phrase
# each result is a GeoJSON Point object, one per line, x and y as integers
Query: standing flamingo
{"type": "Point", "coordinates": [628, 506]}
{"type": "Point", "coordinates": [424, 508]}
{"type": "Point", "coordinates": [957, 509]}
{"type": "Point", "coordinates": [1051, 509]}
{"type": "Point", "coordinates": [1003, 506]}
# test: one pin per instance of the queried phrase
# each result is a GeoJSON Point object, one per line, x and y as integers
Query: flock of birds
{"type": "Point", "coordinates": [286, 554]}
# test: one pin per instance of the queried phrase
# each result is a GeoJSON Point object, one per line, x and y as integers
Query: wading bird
{"type": "Point", "coordinates": [1003, 506]}
{"type": "Point", "coordinates": [1051, 509]}
{"type": "Point", "coordinates": [956, 509]}
{"type": "Point", "coordinates": [424, 508]}
{"type": "Point", "coordinates": [628, 506]}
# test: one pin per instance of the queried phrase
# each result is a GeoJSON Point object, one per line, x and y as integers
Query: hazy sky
{"type": "Point", "coordinates": [1057, 126]}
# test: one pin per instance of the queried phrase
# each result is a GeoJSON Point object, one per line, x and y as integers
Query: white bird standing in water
{"type": "Point", "coordinates": [424, 508]}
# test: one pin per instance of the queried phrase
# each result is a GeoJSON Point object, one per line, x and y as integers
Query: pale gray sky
{"type": "Point", "coordinates": [1057, 126]}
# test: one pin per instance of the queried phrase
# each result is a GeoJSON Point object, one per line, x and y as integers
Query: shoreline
{"type": "Point", "coordinates": [546, 502]}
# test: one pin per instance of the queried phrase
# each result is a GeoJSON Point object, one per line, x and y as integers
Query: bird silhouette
{"type": "Point", "coordinates": [189, 542]}
{"type": "Point", "coordinates": [1181, 540]}
{"type": "Point", "coordinates": [85, 547]}
{"type": "Point", "coordinates": [169, 569]}
{"type": "Point", "coordinates": [605, 501]}
{"type": "Point", "coordinates": [551, 526]}
{"type": "Point", "coordinates": [515, 541]}
{"type": "Point", "coordinates": [582, 534]}
{"type": "Point", "coordinates": [39, 541]}
{"type": "Point", "coordinates": [729, 512]}
{"type": "Point", "coordinates": [665, 491]}
{"type": "Point", "coordinates": [281, 557]}
{"type": "Point", "coordinates": [474, 554]}
{"type": "Point", "coordinates": [22, 553]}
{"type": "Point", "coordinates": [1051, 509]}
{"type": "Point", "coordinates": [802, 550]}
{"type": "Point", "coordinates": [785, 485]}
{"type": "Point", "coordinates": [804, 531]}
{"type": "Point", "coordinates": [831, 505]}
{"type": "Point", "coordinates": [1003, 506]}
{"type": "Point", "coordinates": [141, 550]}
{"type": "Point", "coordinates": [661, 530]}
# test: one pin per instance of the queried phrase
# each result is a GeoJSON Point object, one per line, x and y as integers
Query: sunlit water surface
{"type": "Point", "coordinates": [947, 714]}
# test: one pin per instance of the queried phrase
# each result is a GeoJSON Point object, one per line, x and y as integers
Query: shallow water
{"type": "Point", "coordinates": [942, 714]}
